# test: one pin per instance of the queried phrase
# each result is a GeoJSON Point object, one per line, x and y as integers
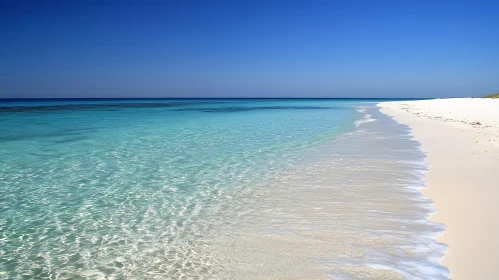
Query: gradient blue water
{"type": "Point", "coordinates": [136, 188]}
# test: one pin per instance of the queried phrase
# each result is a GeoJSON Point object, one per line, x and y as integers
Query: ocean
{"type": "Point", "coordinates": [212, 189]}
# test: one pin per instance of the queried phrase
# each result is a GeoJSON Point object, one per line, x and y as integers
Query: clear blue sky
{"type": "Point", "coordinates": [275, 48]}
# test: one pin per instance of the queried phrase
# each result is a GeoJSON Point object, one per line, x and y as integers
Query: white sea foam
{"type": "Point", "coordinates": [366, 118]}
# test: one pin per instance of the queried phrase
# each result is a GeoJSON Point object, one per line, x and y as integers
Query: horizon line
{"type": "Point", "coordinates": [76, 98]}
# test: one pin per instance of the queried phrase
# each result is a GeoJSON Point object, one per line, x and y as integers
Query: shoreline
{"type": "Point", "coordinates": [461, 140]}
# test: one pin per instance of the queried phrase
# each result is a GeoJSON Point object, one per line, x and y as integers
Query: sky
{"type": "Point", "coordinates": [274, 48]}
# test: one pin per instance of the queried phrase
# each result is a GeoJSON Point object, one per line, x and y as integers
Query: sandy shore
{"type": "Point", "coordinates": [461, 138]}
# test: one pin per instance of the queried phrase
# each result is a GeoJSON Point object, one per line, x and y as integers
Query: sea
{"type": "Point", "coordinates": [212, 189]}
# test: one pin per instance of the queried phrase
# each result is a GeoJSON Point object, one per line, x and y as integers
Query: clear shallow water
{"type": "Point", "coordinates": [211, 189]}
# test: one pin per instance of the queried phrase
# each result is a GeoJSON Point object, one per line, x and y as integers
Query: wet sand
{"type": "Point", "coordinates": [350, 209]}
{"type": "Point", "coordinates": [461, 139]}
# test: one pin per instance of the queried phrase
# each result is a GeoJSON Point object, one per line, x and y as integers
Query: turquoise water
{"type": "Point", "coordinates": [145, 189]}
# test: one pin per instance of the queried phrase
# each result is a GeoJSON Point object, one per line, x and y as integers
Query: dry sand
{"type": "Point", "coordinates": [463, 180]}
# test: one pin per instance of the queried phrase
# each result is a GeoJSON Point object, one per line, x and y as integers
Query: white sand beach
{"type": "Point", "coordinates": [461, 139]}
